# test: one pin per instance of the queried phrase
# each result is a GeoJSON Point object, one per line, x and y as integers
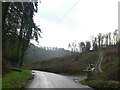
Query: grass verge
{"type": "Point", "coordinates": [16, 79]}
{"type": "Point", "coordinates": [0, 83]}
{"type": "Point", "coordinates": [101, 84]}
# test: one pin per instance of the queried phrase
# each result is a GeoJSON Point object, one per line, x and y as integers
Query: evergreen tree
{"type": "Point", "coordinates": [18, 28]}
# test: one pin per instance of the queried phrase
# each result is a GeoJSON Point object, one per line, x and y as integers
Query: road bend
{"type": "Point", "coordinates": [52, 80]}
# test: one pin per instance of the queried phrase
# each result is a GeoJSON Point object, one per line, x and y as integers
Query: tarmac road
{"type": "Point", "coordinates": [52, 80]}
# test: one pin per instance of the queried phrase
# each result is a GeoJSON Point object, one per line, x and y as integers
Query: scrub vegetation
{"type": "Point", "coordinates": [76, 64]}
{"type": "Point", "coordinates": [16, 79]}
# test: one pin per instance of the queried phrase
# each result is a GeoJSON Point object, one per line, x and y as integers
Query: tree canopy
{"type": "Point", "coordinates": [18, 28]}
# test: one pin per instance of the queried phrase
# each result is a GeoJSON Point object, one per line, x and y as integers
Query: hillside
{"type": "Point", "coordinates": [76, 64]}
{"type": "Point", "coordinates": [69, 64]}
{"type": "Point", "coordinates": [34, 54]}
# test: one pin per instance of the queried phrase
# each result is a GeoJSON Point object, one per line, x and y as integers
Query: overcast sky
{"type": "Point", "coordinates": [65, 21]}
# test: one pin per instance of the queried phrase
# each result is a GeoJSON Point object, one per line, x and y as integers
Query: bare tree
{"type": "Point", "coordinates": [109, 37]}
{"type": "Point", "coordinates": [79, 47]}
{"type": "Point", "coordinates": [94, 43]}
{"type": "Point", "coordinates": [106, 40]}
{"type": "Point", "coordinates": [69, 46]}
{"type": "Point", "coordinates": [99, 40]}
{"type": "Point", "coordinates": [82, 45]}
{"type": "Point", "coordinates": [102, 40]}
{"type": "Point", "coordinates": [115, 36]}
{"type": "Point", "coordinates": [88, 45]}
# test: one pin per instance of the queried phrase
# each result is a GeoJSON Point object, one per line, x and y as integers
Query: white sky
{"type": "Point", "coordinates": [87, 18]}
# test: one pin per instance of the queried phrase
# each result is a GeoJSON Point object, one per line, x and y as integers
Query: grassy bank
{"type": "Point", "coordinates": [16, 79]}
{"type": "Point", "coordinates": [76, 64]}
{"type": "Point", "coordinates": [70, 65]}
{"type": "Point", "coordinates": [0, 83]}
{"type": "Point", "coordinates": [102, 84]}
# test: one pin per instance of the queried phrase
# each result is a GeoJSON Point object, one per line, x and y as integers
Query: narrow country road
{"type": "Point", "coordinates": [51, 80]}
